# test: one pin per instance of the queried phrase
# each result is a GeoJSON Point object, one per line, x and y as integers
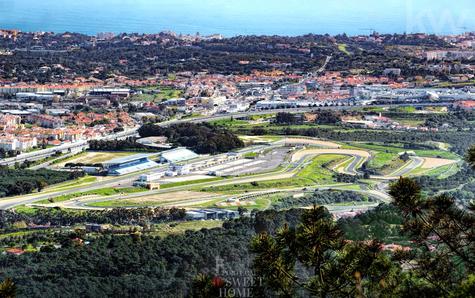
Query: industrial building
{"type": "Point", "coordinates": [177, 155]}
{"type": "Point", "coordinates": [108, 92]}
{"type": "Point", "coordinates": [206, 214]}
{"type": "Point", "coordinates": [129, 164]}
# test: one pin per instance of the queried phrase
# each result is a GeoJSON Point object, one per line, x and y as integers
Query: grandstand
{"type": "Point", "coordinates": [129, 164]}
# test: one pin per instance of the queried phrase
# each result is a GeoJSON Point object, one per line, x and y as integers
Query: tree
{"type": "Point", "coordinates": [331, 266]}
{"type": "Point", "coordinates": [207, 286]}
{"type": "Point", "coordinates": [8, 288]}
{"type": "Point", "coordinates": [471, 156]}
{"type": "Point", "coordinates": [444, 233]}
{"type": "Point", "coordinates": [327, 117]}
{"type": "Point", "coordinates": [41, 184]}
{"type": "Point", "coordinates": [286, 118]}
{"type": "Point", "coordinates": [242, 210]}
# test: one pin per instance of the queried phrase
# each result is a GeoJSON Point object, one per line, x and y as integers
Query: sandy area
{"type": "Point", "coordinates": [432, 163]}
{"type": "Point", "coordinates": [311, 142]}
{"type": "Point", "coordinates": [185, 178]}
{"type": "Point", "coordinates": [300, 154]}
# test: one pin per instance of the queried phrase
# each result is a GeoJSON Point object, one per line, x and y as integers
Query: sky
{"type": "Point", "coordinates": [234, 17]}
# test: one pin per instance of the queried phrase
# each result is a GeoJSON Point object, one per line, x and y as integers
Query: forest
{"type": "Point", "coordinates": [321, 198]}
{"type": "Point", "coordinates": [133, 265]}
{"type": "Point", "coordinates": [200, 138]}
{"type": "Point", "coordinates": [18, 182]}
{"type": "Point", "coordinates": [383, 223]}
{"type": "Point", "coordinates": [116, 216]}
{"type": "Point", "coordinates": [149, 55]}
{"type": "Point", "coordinates": [140, 265]}
{"type": "Point", "coordinates": [118, 145]}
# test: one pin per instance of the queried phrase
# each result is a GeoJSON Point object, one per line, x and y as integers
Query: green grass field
{"type": "Point", "coordinates": [103, 192]}
{"type": "Point", "coordinates": [343, 48]}
{"type": "Point", "coordinates": [164, 94]}
{"type": "Point", "coordinates": [177, 228]}
{"type": "Point", "coordinates": [71, 184]}
{"type": "Point", "coordinates": [25, 210]}
{"type": "Point", "coordinates": [385, 156]}
{"type": "Point", "coordinates": [314, 173]}
{"type": "Point", "coordinates": [316, 170]}
{"type": "Point", "coordinates": [440, 173]}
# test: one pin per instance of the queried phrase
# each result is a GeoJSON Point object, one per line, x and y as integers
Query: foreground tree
{"type": "Point", "coordinates": [444, 234]}
{"type": "Point", "coordinates": [315, 259]}
{"type": "Point", "coordinates": [8, 288]}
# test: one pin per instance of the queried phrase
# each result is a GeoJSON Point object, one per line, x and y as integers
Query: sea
{"type": "Point", "coordinates": [240, 17]}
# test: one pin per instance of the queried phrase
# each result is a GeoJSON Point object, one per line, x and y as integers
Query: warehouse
{"type": "Point", "coordinates": [177, 155]}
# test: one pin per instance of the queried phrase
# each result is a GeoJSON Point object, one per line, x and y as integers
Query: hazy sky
{"type": "Point", "coordinates": [231, 17]}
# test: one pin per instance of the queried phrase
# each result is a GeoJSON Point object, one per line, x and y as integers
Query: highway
{"type": "Point", "coordinates": [65, 148]}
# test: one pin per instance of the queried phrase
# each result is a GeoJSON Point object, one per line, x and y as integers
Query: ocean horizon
{"type": "Point", "coordinates": [239, 17]}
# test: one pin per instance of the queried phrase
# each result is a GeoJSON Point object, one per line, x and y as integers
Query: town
{"type": "Point", "coordinates": [120, 140]}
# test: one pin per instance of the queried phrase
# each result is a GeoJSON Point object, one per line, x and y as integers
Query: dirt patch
{"type": "Point", "coordinates": [96, 157]}
{"type": "Point", "coordinates": [172, 197]}
{"type": "Point", "coordinates": [432, 163]}
{"type": "Point", "coordinates": [236, 204]}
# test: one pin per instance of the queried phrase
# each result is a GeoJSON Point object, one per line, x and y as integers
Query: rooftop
{"type": "Point", "coordinates": [178, 154]}
{"type": "Point", "coordinates": [127, 159]}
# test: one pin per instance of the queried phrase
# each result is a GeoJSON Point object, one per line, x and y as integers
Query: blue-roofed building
{"type": "Point", "coordinates": [129, 164]}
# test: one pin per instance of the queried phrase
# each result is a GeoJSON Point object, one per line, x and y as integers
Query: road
{"type": "Point", "coordinates": [413, 164]}
{"type": "Point", "coordinates": [40, 154]}
{"type": "Point", "coordinates": [288, 110]}
{"type": "Point", "coordinates": [65, 148]}
{"type": "Point", "coordinates": [352, 168]}
{"type": "Point", "coordinates": [108, 182]}
{"type": "Point", "coordinates": [290, 169]}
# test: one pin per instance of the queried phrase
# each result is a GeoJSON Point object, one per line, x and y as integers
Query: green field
{"type": "Point", "coordinates": [176, 228]}
{"type": "Point", "coordinates": [343, 48]}
{"type": "Point", "coordinates": [103, 192]}
{"type": "Point", "coordinates": [71, 184]}
{"type": "Point", "coordinates": [164, 94]}
{"type": "Point", "coordinates": [440, 173]}
{"type": "Point", "coordinates": [192, 182]}
{"type": "Point", "coordinates": [385, 156]}
{"type": "Point", "coordinates": [317, 170]}
{"type": "Point", "coordinates": [314, 173]}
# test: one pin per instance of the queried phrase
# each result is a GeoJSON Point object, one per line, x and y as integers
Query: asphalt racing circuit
{"type": "Point", "coordinates": [282, 159]}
